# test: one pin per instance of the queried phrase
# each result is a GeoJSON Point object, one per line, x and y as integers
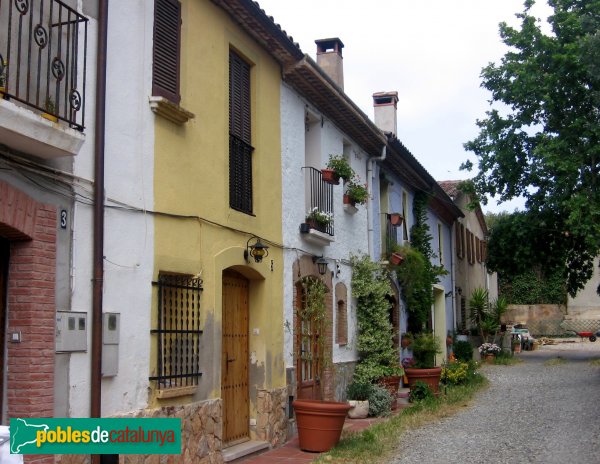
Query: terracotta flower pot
{"type": "Point", "coordinates": [396, 259]}
{"type": "Point", "coordinates": [405, 342]}
{"type": "Point", "coordinates": [319, 423]}
{"type": "Point", "coordinates": [396, 219]}
{"type": "Point", "coordinates": [489, 358]}
{"type": "Point", "coordinates": [348, 200]}
{"type": "Point", "coordinates": [430, 376]}
{"type": "Point", "coordinates": [391, 383]}
{"type": "Point", "coordinates": [329, 176]}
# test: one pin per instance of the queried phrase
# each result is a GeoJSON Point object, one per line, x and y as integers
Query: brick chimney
{"type": "Point", "coordinates": [329, 57]}
{"type": "Point", "coordinates": [385, 104]}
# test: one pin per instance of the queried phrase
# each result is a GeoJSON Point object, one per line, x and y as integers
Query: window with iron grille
{"type": "Point", "coordinates": [178, 330]}
{"type": "Point", "coordinates": [240, 148]}
{"type": "Point", "coordinates": [166, 48]}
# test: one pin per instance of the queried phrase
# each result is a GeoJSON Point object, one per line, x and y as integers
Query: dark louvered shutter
{"type": "Point", "coordinates": [167, 38]}
{"type": "Point", "coordinates": [240, 148]}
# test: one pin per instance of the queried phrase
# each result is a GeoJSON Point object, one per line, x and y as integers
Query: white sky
{"type": "Point", "coordinates": [430, 51]}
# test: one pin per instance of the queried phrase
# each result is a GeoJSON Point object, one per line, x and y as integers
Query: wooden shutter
{"type": "Point", "coordinates": [240, 148]}
{"type": "Point", "coordinates": [167, 41]}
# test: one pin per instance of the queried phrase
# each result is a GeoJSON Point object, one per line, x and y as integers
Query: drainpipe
{"type": "Point", "coordinates": [453, 271]}
{"type": "Point", "coordinates": [370, 228]}
{"type": "Point", "coordinates": [98, 253]}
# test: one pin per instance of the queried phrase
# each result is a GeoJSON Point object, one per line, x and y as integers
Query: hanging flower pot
{"type": "Point", "coordinates": [330, 177]}
{"type": "Point", "coordinates": [348, 200]}
{"type": "Point", "coordinates": [396, 259]}
{"type": "Point", "coordinates": [396, 219]}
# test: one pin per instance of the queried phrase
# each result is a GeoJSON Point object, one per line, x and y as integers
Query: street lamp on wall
{"type": "Point", "coordinates": [321, 264]}
{"type": "Point", "coordinates": [257, 250]}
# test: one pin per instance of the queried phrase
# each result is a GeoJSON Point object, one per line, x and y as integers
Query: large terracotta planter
{"type": "Point", "coordinates": [319, 423]}
{"type": "Point", "coordinates": [430, 376]}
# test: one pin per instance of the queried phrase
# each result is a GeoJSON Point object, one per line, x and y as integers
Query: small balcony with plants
{"type": "Point", "coordinates": [42, 77]}
{"type": "Point", "coordinates": [318, 222]}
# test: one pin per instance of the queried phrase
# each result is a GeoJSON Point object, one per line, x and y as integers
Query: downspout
{"type": "Point", "coordinates": [370, 228]}
{"type": "Point", "coordinates": [453, 271]}
{"type": "Point", "coordinates": [98, 253]}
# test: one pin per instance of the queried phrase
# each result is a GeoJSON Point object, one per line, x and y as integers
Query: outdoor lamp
{"type": "Point", "coordinates": [321, 264]}
{"type": "Point", "coordinates": [257, 250]}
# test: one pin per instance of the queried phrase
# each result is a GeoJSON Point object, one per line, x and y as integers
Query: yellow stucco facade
{"type": "Point", "coordinates": [202, 235]}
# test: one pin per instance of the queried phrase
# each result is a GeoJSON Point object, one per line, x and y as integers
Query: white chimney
{"type": "Point", "coordinates": [329, 58]}
{"type": "Point", "coordinates": [385, 105]}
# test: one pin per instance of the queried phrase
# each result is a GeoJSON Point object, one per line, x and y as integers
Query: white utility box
{"type": "Point", "coordinates": [71, 331]}
{"type": "Point", "coordinates": [111, 328]}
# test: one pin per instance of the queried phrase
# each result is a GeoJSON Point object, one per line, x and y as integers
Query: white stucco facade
{"type": "Point", "coordinates": [300, 150]}
{"type": "Point", "coordinates": [128, 241]}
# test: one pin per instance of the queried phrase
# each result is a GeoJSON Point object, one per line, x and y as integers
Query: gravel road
{"type": "Point", "coordinates": [533, 412]}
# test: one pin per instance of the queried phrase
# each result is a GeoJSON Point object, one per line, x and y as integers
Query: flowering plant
{"type": "Point", "coordinates": [489, 348]}
{"type": "Point", "coordinates": [357, 192]}
{"type": "Point", "coordinates": [322, 218]}
{"type": "Point", "coordinates": [408, 362]}
{"type": "Point", "coordinates": [341, 167]}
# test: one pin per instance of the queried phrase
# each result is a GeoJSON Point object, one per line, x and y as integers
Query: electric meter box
{"type": "Point", "coordinates": [71, 331]}
{"type": "Point", "coordinates": [111, 328]}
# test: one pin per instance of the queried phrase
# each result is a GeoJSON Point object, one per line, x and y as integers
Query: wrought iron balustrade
{"type": "Point", "coordinates": [390, 235]}
{"type": "Point", "coordinates": [43, 47]}
{"type": "Point", "coordinates": [319, 195]}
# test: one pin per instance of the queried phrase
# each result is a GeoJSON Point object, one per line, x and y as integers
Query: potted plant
{"type": "Point", "coordinates": [319, 422]}
{"type": "Point", "coordinates": [357, 395]}
{"type": "Point", "coordinates": [489, 351]}
{"type": "Point", "coordinates": [356, 193]}
{"type": "Point", "coordinates": [340, 167]}
{"type": "Point", "coordinates": [396, 219]}
{"type": "Point", "coordinates": [318, 219]}
{"type": "Point", "coordinates": [50, 107]}
{"type": "Point", "coordinates": [516, 344]}
{"type": "Point", "coordinates": [406, 340]}
{"type": "Point", "coordinates": [396, 258]}
{"type": "Point", "coordinates": [424, 347]}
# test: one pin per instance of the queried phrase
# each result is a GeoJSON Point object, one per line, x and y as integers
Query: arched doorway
{"type": "Point", "coordinates": [235, 358]}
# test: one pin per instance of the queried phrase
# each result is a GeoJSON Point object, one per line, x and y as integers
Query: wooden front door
{"type": "Point", "coordinates": [235, 358]}
{"type": "Point", "coordinates": [308, 353]}
{"type": "Point", "coordinates": [4, 252]}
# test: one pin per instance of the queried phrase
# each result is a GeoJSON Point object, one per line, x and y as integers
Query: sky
{"type": "Point", "coordinates": [430, 51]}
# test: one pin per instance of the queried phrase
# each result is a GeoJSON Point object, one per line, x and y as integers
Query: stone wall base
{"type": "Point", "coordinates": [201, 436]}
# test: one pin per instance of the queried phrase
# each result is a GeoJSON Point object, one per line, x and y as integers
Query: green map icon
{"type": "Point", "coordinates": [23, 433]}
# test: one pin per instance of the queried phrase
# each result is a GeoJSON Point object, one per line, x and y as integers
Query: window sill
{"type": "Point", "coordinates": [169, 110]}
{"type": "Point", "coordinates": [176, 392]}
{"type": "Point", "coordinates": [318, 238]}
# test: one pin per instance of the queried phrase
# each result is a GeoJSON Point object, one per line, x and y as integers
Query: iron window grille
{"type": "Point", "coordinates": [43, 57]}
{"type": "Point", "coordinates": [320, 196]}
{"type": "Point", "coordinates": [178, 332]}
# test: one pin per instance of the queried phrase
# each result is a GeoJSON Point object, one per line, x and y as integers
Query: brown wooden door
{"type": "Point", "coordinates": [4, 252]}
{"type": "Point", "coordinates": [235, 358]}
{"type": "Point", "coordinates": [308, 354]}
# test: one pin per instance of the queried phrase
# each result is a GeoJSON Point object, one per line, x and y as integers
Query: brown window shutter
{"type": "Point", "coordinates": [240, 148]}
{"type": "Point", "coordinates": [166, 51]}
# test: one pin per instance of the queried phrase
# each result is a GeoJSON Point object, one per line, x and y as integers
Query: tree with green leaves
{"type": "Point", "coordinates": [541, 138]}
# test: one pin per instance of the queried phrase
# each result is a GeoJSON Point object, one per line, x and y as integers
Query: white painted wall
{"type": "Point", "coordinates": [129, 241]}
{"type": "Point", "coordinates": [350, 230]}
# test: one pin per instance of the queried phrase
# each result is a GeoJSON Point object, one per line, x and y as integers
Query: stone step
{"type": "Point", "coordinates": [244, 449]}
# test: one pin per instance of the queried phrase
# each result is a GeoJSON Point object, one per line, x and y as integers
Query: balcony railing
{"type": "Point", "coordinates": [319, 194]}
{"type": "Point", "coordinates": [43, 57]}
{"type": "Point", "coordinates": [390, 235]}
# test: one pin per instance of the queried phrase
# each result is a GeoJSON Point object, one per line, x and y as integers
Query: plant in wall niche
{"type": "Point", "coordinates": [378, 357]}
{"type": "Point", "coordinates": [340, 166]}
{"type": "Point", "coordinates": [356, 192]}
{"type": "Point", "coordinates": [321, 218]}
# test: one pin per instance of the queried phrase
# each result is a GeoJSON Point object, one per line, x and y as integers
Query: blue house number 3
{"type": "Point", "coordinates": [63, 218]}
